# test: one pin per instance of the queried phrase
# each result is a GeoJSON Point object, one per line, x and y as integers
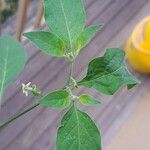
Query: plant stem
{"type": "Point", "coordinates": [18, 115]}
{"type": "Point", "coordinates": [70, 68]}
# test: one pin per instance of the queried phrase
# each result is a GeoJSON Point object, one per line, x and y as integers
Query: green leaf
{"type": "Point", "coordinates": [86, 36]}
{"type": "Point", "coordinates": [65, 18]}
{"type": "Point", "coordinates": [47, 42]}
{"type": "Point", "coordinates": [12, 61]}
{"type": "Point", "coordinates": [78, 132]}
{"type": "Point", "coordinates": [108, 73]}
{"type": "Point", "coordinates": [88, 100]}
{"type": "Point", "coordinates": [56, 99]}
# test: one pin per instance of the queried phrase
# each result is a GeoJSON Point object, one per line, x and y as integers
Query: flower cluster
{"type": "Point", "coordinates": [27, 88]}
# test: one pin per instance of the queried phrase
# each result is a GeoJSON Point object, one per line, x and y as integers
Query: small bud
{"type": "Point", "coordinates": [36, 91]}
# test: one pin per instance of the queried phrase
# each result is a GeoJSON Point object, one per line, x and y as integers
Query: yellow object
{"type": "Point", "coordinates": [138, 47]}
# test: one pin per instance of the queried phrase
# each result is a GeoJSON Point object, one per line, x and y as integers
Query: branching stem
{"type": "Point", "coordinates": [18, 115]}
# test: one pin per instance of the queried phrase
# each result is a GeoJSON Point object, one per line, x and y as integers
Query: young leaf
{"type": "Point", "coordinates": [88, 100]}
{"type": "Point", "coordinates": [78, 132]}
{"type": "Point", "coordinates": [86, 36]}
{"type": "Point", "coordinates": [56, 99]}
{"type": "Point", "coordinates": [12, 61]}
{"type": "Point", "coordinates": [65, 18]}
{"type": "Point", "coordinates": [108, 73]}
{"type": "Point", "coordinates": [47, 42]}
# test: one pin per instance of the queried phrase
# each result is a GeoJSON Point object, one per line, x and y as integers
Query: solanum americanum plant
{"type": "Point", "coordinates": [66, 35]}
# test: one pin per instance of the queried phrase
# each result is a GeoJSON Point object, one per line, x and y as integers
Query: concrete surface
{"type": "Point", "coordinates": [135, 133]}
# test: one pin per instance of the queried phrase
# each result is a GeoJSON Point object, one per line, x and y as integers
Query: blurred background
{"type": "Point", "coordinates": [123, 118]}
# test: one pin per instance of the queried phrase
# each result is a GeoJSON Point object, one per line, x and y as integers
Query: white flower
{"type": "Point", "coordinates": [26, 88]}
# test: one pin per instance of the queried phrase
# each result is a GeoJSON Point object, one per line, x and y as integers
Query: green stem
{"type": "Point", "coordinates": [18, 115]}
{"type": "Point", "coordinates": [70, 68]}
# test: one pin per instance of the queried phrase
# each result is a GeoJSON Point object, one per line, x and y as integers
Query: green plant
{"type": "Point", "coordinates": [66, 36]}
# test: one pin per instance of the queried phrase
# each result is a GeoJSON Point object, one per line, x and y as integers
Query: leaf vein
{"type": "Point", "coordinates": [67, 27]}
{"type": "Point", "coordinates": [4, 74]}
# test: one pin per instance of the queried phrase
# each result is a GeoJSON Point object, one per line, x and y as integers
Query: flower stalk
{"type": "Point", "coordinates": [18, 115]}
